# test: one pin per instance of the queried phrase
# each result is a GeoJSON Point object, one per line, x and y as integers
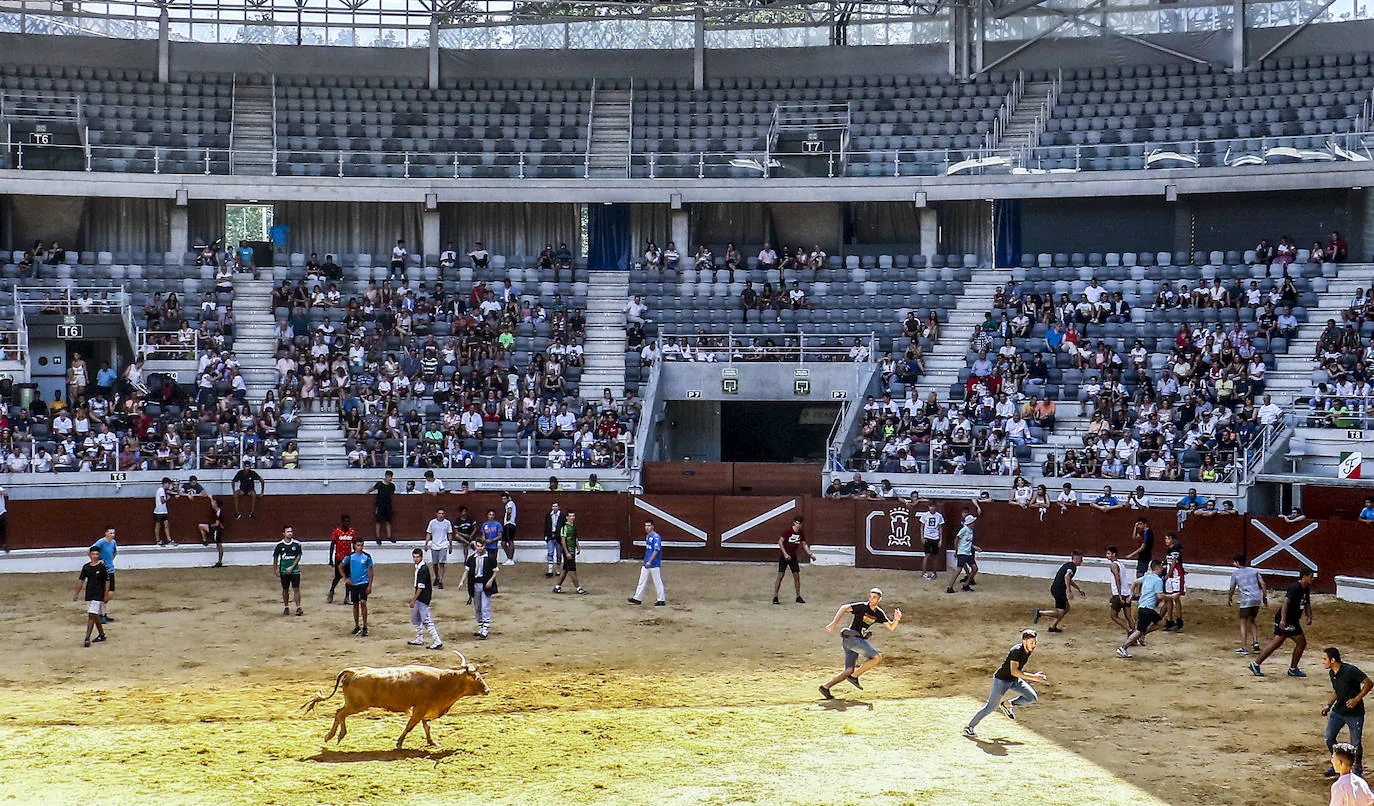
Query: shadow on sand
{"type": "Point", "coordinates": [435, 754]}
{"type": "Point", "coordinates": [842, 705]}
{"type": "Point", "coordinates": [994, 747]}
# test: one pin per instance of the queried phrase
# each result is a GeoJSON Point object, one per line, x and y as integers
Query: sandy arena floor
{"type": "Point", "coordinates": [195, 698]}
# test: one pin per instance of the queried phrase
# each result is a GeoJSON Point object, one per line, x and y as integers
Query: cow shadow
{"type": "Point", "coordinates": [842, 705]}
{"type": "Point", "coordinates": [326, 756]}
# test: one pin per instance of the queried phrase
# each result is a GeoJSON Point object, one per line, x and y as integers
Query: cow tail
{"type": "Point", "coordinates": [321, 697]}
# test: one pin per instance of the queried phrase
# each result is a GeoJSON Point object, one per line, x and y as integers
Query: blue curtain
{"type": "Point", "coordinates": [1006, 214]}
{"type": "Point", "coordinates": [608, 236]}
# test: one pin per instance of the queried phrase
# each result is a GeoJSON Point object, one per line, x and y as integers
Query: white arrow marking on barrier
{"type": "Point", "coordinates": [673, 519]}
{"type": "Point", "coordinates": [1284, 545]}
{"type": "Point", "coordinates": [755, 521]}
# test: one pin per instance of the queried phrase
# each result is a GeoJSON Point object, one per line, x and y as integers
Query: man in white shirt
{"type": "Point", "coordinates": [448, 258]}
{"type": "Point", "coordinates": [932, 534]}
{"type": "Point", "coordinates": [768, 259]}
{"type": "Point", "coordinates": [480, 256]}
{"type": "Point", "coordinates": [433, 484]}
{"type": "Point", "coordinates": [635, 310]}
{"type": "Point", "coordinates": [400, 256]}
{"type": "Point", "coordinates": [1018, 430]}
{"type": "Point", "coordinates": [1094, 293]}
{"type": "Point", "coordinates": [1269, 413]}
{"type": "Point", "coordinates": [438, 537]}
{"type": "Point", "coordinates": [1349, 789]}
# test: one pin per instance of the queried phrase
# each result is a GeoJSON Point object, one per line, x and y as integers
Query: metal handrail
{"type": "Point", "coordinates": [150, 344]}
{"type": "Point", "coordinates": [233, 103]}
{"type": "Point", "coordinates": [630, 140]}
{"type": "Point", "coordinates": [274, 127]}
{"type": "Point", "coordinates": [748, 346]}
{"type": "Point", "coordinates": [67, 300]}
{"type": "Point", "coordinates": [586, 157]}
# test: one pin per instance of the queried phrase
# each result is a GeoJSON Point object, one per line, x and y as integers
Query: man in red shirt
{"type": "Point", "coordinates": [793, 550]}
{"type": "Point", "coordinates": [341, 545]}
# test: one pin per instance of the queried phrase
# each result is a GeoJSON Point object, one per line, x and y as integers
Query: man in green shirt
{"type": "Point", "coordinates": [506, 339]}
{"type": "Point", "coordinates": [286, 558]}
{"type": "Point", "coordinates": [1345, 709]}
{"type": "Point", "coordinates": [568, 537]}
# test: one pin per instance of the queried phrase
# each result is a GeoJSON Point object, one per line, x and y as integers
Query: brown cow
{"type": "Point", "coordinates": [426, 692]}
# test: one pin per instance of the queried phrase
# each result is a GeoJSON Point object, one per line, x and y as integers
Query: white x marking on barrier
{"type": "Point", "coordinates": [731, 534]}
{"type": "Point", "coordinates": [1284, 544]}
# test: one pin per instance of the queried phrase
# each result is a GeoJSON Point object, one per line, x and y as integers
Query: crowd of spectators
{"type": "Point", "coordinates": [430, 375]}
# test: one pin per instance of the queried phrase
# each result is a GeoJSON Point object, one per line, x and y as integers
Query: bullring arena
{"type": "Point", "coordinates": [699, 402]}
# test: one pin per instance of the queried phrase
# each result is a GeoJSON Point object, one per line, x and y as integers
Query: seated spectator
{"type": "Point", "coordinates": [480, 257]}
{"type": "Point", "coordinates": [448, 259]}
{"type": "Point", "coordinates": [653, 257]}
{"type": "Point", "coordinates": [768, 259]}
{"type": "Point", "coordinates": [672, 259]}
{"type": "Point", "coordinates": [400, 260]}
{"type": "Point", "coordinates": [1336, 250]}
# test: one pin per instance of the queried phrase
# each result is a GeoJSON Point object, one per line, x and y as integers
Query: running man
{"type": "Point", "coordinates": [108, 548]}
{"type": "Point", "coordinates": [653, 566]}
{"type": "Point", "coordinates": [1175, 587]}
{"type": "Point", "coordinates": [383, 511]}
{"type": "Point", "coordinates": [97, 580]}
{"type": "Point", "coordinates": [1121, 591]}
{"type": "Point", "coordinates": [248, 483]}
{"type": "Point", "coordinates": [480, 576]}
{"type": "Point", "coordinates": [854, 638]}
{"type": "Point", "coordinates": [438, 538]}
{"type": "Point", "coordinates": [213, 531]}
{"type": "Point", "coordinates": [932, 533]}
{"type": "Point", "coordinates": [1147, 590]}
{"type": "Point", "coordinates": [1062, 589]}
{"type": "Point", "coordinates": [793, 551]}
{"type": "Point", "coordinates": [1297, 602]}
{"type": "Point", "coordinates": [1345, 709]}
{"type": "Point", "coordinates": [286, 557]}
{"type": "Point", "coordinates": [508, 528]}
{"type": "Point", "coordinates": [965, 551]}
{"type": "Point", "coordinates": [1011, 676]}
{"type": "Point", "coordinates": [1144, 538]}
{"type": "Point", "coordinates": [358, 567]}
{"type": "Point", "coordinates": [1253, 594]}
{"type": "Point", "coordinates": [568, 541]}
{"type": "Point", "coordinates": [420, 617]}
{"type": "Point", "coordinates": [341, 545]}
{"type": "Point", "coordinates": [162, 532]}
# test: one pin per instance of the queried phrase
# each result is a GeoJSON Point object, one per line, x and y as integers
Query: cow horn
{"type": "Point", "coordinates": [460, 657]}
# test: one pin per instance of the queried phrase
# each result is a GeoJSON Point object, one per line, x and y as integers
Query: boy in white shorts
{"type": "Point", "coordinates": [95, 578]}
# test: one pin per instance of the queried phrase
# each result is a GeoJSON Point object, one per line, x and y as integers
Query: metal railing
{"type": "Point", "coordinates": [167, 345]}
{"type": "Point", "coordinates": [68, 300]}
{"type": "Point", "coordinates": [274, 124]}
{"type": "Point", "coordinates": [740, 164]}
{"type": "Point", "coordinates": [730, 347]}
{"type": "Point", "coordinates": [587, 155]}
{"type": "Point", "coordinates": [413, 453]}
{"type": "Point", "coordinates": [14, 345]}
{"type": "Point", "coordinates": [1005, 112]}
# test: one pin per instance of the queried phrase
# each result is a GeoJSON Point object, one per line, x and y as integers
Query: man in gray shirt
{"type": "Point", "coordinates": [1253, 594]}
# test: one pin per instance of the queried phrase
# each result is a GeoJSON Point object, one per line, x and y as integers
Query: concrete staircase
{"type": "Point", "coordinates": [949, 355]}
{"type": "Point", "coordinates": [604, 356]}
{"type": "Point", "coordinates": [253, 139]}
{"type": "Point", "coordinates": [1017, 133]}
{"type": "Point", "coordinates": [608, 150]}
{"type": "Point", "coordinates": [321, 439]}
{"type": "Point", "coordinates": [1291, 379]}
{"type": "Point", "coordinates": [254, 343]}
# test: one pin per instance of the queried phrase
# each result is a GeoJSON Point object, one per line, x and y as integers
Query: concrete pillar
{"type": "Point", "coordinates": [433, 53]}
{"type": "Point", "coordinates": [930, 232]}
{"type": "Point", "coordinates": [430, 232]}
{"type": "Point", "coordinates": [164, 53]}
{"type": "Point", "coordinates": [1238, 38]}
{"type": "Point", "coordinates": [699, 49]}
{"type": "Point", "coordinates": [681, 235]}
{"type": "Point", "coordinates": [179, 229]}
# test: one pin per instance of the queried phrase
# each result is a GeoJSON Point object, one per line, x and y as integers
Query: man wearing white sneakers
{"type": "Point", "coordinates": [652, 569]}
{"type": "Point", "coordinates": [438, 538]}
{"type": "Point", "coordinates": [932, 532]}
{"type": "Point", "coordinates": [1011, 676]}
{"type": "Point", "coordinates": [420, 617]}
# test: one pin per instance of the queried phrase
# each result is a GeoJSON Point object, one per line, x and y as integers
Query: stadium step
{"type": "Point", "coordinates": [604, 347]}
{"type": "Point", "coordinates": [608, 144]}
{"type": "Point", "coordinates": [252, 141]}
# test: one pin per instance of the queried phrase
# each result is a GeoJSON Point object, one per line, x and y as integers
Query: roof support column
{"type": "Point", "coordinates": [1238, 38]}
{"type": "Point", "coordinates": [164, 46]}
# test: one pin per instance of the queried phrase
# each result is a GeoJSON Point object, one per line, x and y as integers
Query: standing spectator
{"type": "Point", "coordinates": [286, 557]}
{"type": "Point", "coordinates": [95, 578]}
{"type": "Point", "coordinates": [480, 576]}
{"type": "Point", "coordinates": [553, 541]}
{"type": "Point", "coordinates": [567, 540]}
{"type": "Point", "coordinates": [438, 538]}
{"type": "Point", "coordinates": [652, 568]}
{"type": "Point", "coordinates": [1345, 709]}
{"type": "Point", "coordinates": [383, 509]}
{"type": "Point", "coordinates": [420, 617]}
{"type": "Point", "coordinates": [359, 572]}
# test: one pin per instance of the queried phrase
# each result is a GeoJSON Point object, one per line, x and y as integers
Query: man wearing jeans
{"type": "Point", "coordinates": [1345, 709]}
{"type": "Point", "coordinates": [653, 564]}
{"type": "Point", "coordinates": [420, 617]}
{"type": "Point", "coordinates": [855, 637]}
{"type": "Point", "coordinates": [1010, 676]}
{"type": "Point", "coordinates": [481, 580]}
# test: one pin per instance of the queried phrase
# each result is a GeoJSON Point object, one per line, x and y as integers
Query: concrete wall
{"type": "Point", "coordinates": [759, 381]}
{"type": "Point", "coordinates": [691, 430]}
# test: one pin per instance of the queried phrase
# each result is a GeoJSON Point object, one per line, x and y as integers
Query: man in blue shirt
{"type": "Point", "coordinates": [1054, 338]}
{"type": "Point", "coordinates": [107, 547]}
{"type": "Point", "coordinates": [358, 569]}
{"type": "Point", "coordinates": [653, 562]}
{"type": "Point", "coordinates": [1192, 500]}
{"type": "Point", "coordinates": [1107, 501]}
{"type": "Point", "coordinates": [492, 531]}
{"type": "Point", "coordinates": [1147, 591]}
{"type": "Point", "coordinates": [1367, 514]}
